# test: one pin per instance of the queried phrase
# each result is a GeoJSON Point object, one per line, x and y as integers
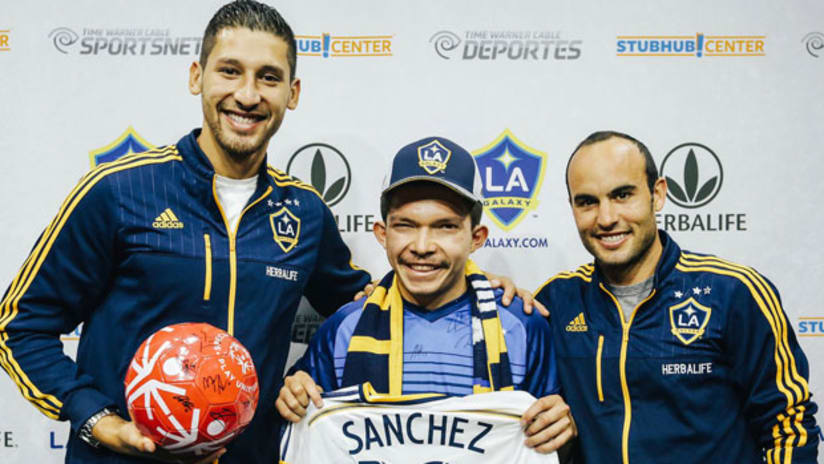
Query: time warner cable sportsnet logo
{"type": "Point", "coordinates": [694, 177]}
{"type": "Point", "coordinates": [505, 45]}
{"type": "Point", "coordinates": [511, 176]}
{"type": "Point", "coordinates": [698, 45]}
{"type": "Point", "coordinates": [136, 41]}
{"type": "Point", "coordinates": [337, 46]}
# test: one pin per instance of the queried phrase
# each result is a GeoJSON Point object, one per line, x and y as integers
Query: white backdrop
{"type": "Point", "coordinates": [75, 75]}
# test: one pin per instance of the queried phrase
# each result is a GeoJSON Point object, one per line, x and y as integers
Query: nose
{"type": "Point", "coordinates": [247, 94]}
{"type": "Point", "coordinates": [607, 216]}
{"type": "Point", "coordinates": [422, 243]}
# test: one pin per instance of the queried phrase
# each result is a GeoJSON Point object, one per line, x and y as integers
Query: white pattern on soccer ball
{"type": "Point", "coordinates": [172, 367]}
{"type": "Point", "coordinates": [215, 427]}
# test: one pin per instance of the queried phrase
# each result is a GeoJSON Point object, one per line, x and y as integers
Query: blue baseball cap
{"type": "Point", "coordinates": [439, 160]}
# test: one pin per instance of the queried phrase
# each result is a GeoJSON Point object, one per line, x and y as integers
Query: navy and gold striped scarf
{"type": "Point", "coordinates": [375, 352]}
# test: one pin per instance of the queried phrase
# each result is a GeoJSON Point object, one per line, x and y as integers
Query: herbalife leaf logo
{"type": "Point", "coordinates": [693, 173]}
{"type": "Point", "coordinates": [323, 166]}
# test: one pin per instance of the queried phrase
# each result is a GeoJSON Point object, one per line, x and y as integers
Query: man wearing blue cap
{"type": "Point", "coordinates": [434, 324]}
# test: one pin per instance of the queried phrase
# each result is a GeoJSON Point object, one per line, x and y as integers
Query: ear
{"type": "Point", "coordinates": [294, 94]}
{"type": "Point", "coordinates": [479, 235]}
{"type": "Point", "coordinates": [195, 78]}
{"type": "Point", "coordinates": [659, 193]}
{"type": "Point", "coordinates": [379, 229]}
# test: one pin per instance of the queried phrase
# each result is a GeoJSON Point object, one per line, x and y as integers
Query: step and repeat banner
{"type": "Point", "coordinates": [729, 97]}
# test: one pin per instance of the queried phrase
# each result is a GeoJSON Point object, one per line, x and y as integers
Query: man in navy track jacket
{"type": "Point", "coordinates": [665, 355]}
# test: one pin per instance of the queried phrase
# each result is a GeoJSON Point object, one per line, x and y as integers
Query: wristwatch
{"type": "Point", "coordinates": [85, 432]}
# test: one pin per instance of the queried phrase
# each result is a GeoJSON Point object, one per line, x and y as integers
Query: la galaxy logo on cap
{"type": "Point", "coordinates": [688, 320]}
{"type": "Point", "coordinates": [286, 228]}
{"type": "Point", "coordinates": [433, 157]}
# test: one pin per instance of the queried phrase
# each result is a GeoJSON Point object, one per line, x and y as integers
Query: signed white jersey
{"type": "Point", "coordinates": [355, 425]}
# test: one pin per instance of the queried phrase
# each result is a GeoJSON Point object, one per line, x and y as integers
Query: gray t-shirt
{"type": "Point", "coordinates": [630, 295]}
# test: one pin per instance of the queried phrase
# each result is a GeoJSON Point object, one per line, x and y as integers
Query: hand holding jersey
{"type": "Point", "coordinates": [367, 427]}
{"type": "Point", "coordinates": [433, 324]}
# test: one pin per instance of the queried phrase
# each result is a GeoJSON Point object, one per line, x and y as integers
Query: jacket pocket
{"type": "Point", "coordinates": [598, 356]}
{"type": "Point", "coordinates": [207, 284]}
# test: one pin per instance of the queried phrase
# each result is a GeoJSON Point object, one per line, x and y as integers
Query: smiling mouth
{"type": "Point", "coordinates": [243, 121]}
{"type": "Point", "coordinates": [422, 267]}
{"type": "Point", "coordinates": [612, 240]}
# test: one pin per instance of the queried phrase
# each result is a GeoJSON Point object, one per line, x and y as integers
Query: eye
{"type": "Point", "coordinates": [229, 71]}
{"type": "Point", "coordinates": [584, 202]}
{"type": "Point", "coordinates": [271, 78]}
{"type": "Point", "coordinates": [623, 195]}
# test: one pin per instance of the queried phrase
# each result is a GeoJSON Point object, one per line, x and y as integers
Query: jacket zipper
{"type": "Point", "coordinates": [207, 285]}
{"type": "Point", "coordinates": [230, 323]}
{"type": "Point", "coordinates": [623, 368]}
{"type": "Point", "coordinates": [598, 368]}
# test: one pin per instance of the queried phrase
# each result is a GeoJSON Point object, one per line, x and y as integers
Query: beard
{"type": "Point", "coordinates": [238, 149]}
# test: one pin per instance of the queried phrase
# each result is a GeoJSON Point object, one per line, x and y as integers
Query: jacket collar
{"type": "Point", "coordinates": [666, 263]}
{"type": "Point", "coordinates": [202, 170]}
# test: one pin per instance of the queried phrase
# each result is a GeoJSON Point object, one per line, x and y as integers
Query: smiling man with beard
{"type": "Point", "coordinates": [666, 355]}
{"type": "Point", "coordinates": [434, 325]}
{"type": "Point", "coordinates": [201, 230]}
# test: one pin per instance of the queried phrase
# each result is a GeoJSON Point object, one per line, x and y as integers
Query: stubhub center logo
{"type": "Point", "coordinates": [334, 46]}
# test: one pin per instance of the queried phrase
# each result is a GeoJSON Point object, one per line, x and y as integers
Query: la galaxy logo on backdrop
{"type": "Point", "coordinates": [511, 176]}
{"type": "Point", "coordinates": [327, 45]}
{"type": "Point", "coordinates": [127, 143]}
{"type": "Point", "coordinates": [694, 177]}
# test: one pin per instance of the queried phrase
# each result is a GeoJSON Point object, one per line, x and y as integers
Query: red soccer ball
{"type": "Point", "coordinates": [191, 388]}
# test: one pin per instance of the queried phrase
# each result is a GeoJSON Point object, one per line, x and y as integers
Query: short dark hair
{"type": "Point", "coordinates": [649, 164]}
{"type": "Point", "coordinates": [473, 209]}
{"type": "Point", "coordinates": [254, 16]}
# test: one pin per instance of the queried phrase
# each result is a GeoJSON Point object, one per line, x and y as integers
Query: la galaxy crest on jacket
{"type": "Point", "coordinates": [706, 370]}
{"type": "Point", "coordinates": [359, 426]}
{"type": "Point", "coordinates": [142, 243]}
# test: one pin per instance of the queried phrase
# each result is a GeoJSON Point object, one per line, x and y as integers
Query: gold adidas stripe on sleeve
{"type": "Point", "coordinates": [583, 272]}
{"type": "Point", "coordinates": [46, 403]}
{"type": "Point", "coordinates": [788, 381]}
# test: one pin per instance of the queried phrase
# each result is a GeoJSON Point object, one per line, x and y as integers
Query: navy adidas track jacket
{"type": "Point", "coordinates": [141, 243]}
{"type": "Point", "coordinates": [707, 369]}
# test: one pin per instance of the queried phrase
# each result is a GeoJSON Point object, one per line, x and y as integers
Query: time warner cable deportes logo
{"type": "Point", "coordinates": [526, 45]}
{"type": "Point", "coordinates": [698, 45]}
